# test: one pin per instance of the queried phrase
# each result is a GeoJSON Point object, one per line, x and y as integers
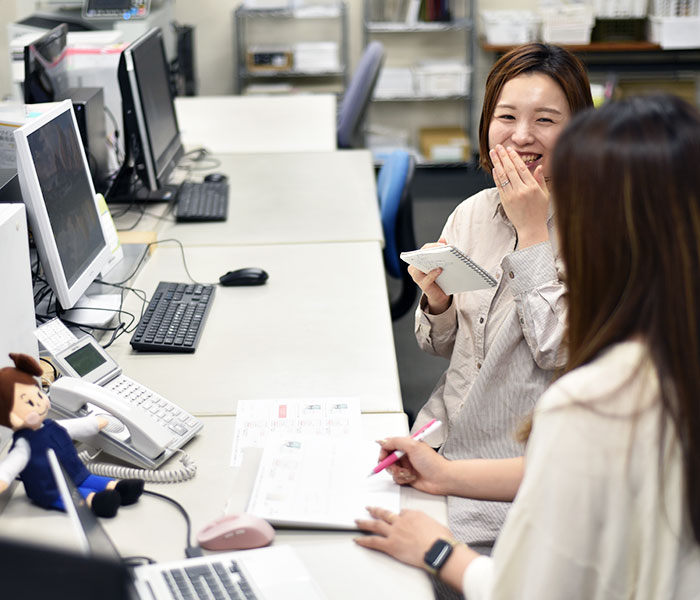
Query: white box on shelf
{"type": "Point", "coordinates": [567, 23]}
{"type": "Point", "coordinates": [675, 8]}
{"type": "Point", "coordinates": [441, 78]}
{"type": "Point", "coordinates": [506, 27]}
{"type": "Point", "coordinates": [395, 82]}
{"type": "Point", "coordinates": [620, 9]}
{"type": "Point", "coordinates": [675, 32]}
{"type": "Point", "coordinates": [313, 57]}
{"type": "Point", "coordinates": [266, 4]}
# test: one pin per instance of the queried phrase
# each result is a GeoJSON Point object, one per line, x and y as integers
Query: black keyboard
{"type": "Point", "coordinates": [209, 581]}
{"type": "Point", "coordinates": [202, 201]}
{"type": "Point", "coordinates": [174, 318]}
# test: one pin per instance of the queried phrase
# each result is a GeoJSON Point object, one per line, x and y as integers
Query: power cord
{"type": "Point", "coordinates": [190, 550]}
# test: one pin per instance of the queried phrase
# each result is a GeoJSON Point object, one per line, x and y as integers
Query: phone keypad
{"type": "Point", "coordinates": [163, 412]}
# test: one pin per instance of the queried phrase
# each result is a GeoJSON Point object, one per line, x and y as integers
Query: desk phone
{"type": "Point", "coordinates": [143, 428]}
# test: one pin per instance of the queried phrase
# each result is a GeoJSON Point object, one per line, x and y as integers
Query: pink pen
{"type": "Point", "coordinates": [427, 429]}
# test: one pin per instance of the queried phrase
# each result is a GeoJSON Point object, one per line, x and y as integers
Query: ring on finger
{"type": "Point", "coordinates": [391, 518]}
{"type": "Point", "coordinates": [505, 183]}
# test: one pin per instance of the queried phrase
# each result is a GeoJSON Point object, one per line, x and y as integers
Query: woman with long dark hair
{"type": "Point", "coordinates": [609, 504]}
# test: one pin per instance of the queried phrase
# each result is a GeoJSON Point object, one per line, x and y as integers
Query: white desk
{"type": "Point", "coordinates": [319, 327]}
{"type": "Point", "coordinates": [291, 198]}
{"type": "Point", "coordinates": [342, 569]}
{"type": "Point", "coordinates": [228, 124]}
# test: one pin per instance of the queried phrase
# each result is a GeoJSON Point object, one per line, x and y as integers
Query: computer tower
{"type": "Point", "coordinates": [89, 108]}
{"type": "Point", "coordinates": [17, 318]}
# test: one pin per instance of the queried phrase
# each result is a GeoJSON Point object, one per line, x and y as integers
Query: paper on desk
{"type": "Point", "coordinates": [320, 482]}
{"type": "Point", "coordinates": [256, 420]}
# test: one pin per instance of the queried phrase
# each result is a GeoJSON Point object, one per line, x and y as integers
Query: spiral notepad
{"type": "Point", "coordinates": [459, 272]}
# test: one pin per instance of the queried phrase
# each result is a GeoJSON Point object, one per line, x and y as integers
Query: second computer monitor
{"type": "Point", "coordinates": [152, 133]}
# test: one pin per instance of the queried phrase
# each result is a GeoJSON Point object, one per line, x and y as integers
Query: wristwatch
{"type": "Point", "coordinates": [437, 556]}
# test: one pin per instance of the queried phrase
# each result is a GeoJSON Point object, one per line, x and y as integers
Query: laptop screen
{"type": "Point", "coordinates": [93, 538]}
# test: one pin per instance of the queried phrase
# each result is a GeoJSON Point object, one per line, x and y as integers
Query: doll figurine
{"type": "Point", "coordinates": [23, 408]}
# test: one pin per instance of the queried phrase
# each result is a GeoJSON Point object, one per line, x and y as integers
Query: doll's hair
{"type": "Point", "coordinates": [24, 371]}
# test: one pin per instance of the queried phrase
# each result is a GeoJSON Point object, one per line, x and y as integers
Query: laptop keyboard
{"type": "Point", "coordinates": [216, 580]}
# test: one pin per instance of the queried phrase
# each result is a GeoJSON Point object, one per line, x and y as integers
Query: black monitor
{"type": "Point", "coordinates": [152, 139]}
{"type": "Point", "coordinates": [45, 74]}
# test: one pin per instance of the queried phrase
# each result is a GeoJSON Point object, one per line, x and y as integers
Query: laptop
{"type": "Point", "coordinates": [272, 573]}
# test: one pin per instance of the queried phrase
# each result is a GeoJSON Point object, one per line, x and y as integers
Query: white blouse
{"type": "Point", "coordinates": [592, 518]}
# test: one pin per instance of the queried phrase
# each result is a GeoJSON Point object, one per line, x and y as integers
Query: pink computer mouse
{"type": "Point", "coordinates": [236, 532]}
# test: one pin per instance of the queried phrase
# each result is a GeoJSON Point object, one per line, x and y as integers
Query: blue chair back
{"type": "Point", "coordinates": [393, 188]}
{"type": "Point", "coordinates": [353, 106]}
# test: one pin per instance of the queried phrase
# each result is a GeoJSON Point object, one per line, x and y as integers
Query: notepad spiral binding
{"type": "Point", "coordinates": [485, 275]}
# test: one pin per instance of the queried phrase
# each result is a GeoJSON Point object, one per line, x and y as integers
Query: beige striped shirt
{"type": "Point", "coordinates": [502, 344]}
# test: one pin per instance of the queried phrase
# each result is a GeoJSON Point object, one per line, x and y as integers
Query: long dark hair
{"type": "Point", "coordinates": [562, 66]}
{"type": "Point", "coordinates": [626, 188]}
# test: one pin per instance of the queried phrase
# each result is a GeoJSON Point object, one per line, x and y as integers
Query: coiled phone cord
{"type": "Point", "coordinates": [187, 471]}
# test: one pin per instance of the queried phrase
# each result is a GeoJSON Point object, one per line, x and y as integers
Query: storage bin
{"type": "Point", "coordinates": [675, 32]}
{"type": "Point", "coordinates": [316, 57]}
{"type": "Point", "coordinates": [395, 82]}
{"type": "Point", "coordinates": [675, 8]}
{"type": "Point", "coordinates": [619, 9]}
{"type": "Point", "coordinates": [619, 30]}
{"type": "Point", "coordinates": [567, 23]}
{"type": "Point", "coordinates": [441, 78]}
{"type": "Point", "coordinates": [508, 27]}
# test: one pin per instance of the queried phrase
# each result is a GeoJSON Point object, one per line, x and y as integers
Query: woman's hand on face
{"type": "Point", "coordinates": [420, 466]}
{"type": "Point", "coordinates": [406, 536]}
{"type": "Point", "coordinates": [438, 301]}
{"type": "Point", "coordinates": [524, 195]}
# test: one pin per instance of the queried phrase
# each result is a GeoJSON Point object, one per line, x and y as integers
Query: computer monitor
{"type": "Point", "coordinates": [45, 73]}
{"type": "Point", "coordinates": [152, 138]}
{"type": "Point", "coordinates": [61, 204]}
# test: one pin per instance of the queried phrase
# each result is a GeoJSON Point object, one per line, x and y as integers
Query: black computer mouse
{"type": "Point", "coordinates": [246, 276]}
{"type": "Point", "coordinates": [215, 178]}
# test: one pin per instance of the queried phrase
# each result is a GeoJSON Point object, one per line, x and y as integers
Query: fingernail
{"type": "Point", "coordinates": [381, 442]}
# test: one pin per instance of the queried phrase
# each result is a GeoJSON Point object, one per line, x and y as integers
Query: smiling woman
{"type": "Point", "coordinates": [503, 342]}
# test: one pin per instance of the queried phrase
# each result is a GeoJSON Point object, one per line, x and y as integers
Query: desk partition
{"type": "Point", "coordinates": [228, 124]}
{"type": "Point", "coordinates": [291, 198]}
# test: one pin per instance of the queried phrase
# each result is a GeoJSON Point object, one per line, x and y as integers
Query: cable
{"type": "Point", "coordinates": [187, 471]}
{"type": "Point", "coordinates": [190, 550]}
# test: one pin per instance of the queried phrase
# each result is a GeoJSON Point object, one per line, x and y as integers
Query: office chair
{"type": "Point", "coordinates": [395, 204]}
{"type": "Point", "coordinates": [353, 107]}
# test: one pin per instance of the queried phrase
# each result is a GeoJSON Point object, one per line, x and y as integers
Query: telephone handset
{"type": "Point", "coordinates": [147, 437]}
{"type": "Point", "coordinates": [144, 429]}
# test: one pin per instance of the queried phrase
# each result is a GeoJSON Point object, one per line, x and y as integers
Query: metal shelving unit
{"type": "Point", "coordinates": [459, 31]}
{"type": "Point", "coordinates": [300, 24]}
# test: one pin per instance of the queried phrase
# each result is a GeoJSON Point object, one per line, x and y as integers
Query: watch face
{"type": "Point", "coordinates": [437, 555]}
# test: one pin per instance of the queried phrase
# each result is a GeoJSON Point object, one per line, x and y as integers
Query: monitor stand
{"type": "Point", "coordinates": [95, 310]}
{"type": "Point", "coordinates": [126, 181]}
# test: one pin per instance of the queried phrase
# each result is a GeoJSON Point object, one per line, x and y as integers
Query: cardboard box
{"type": "Point", "coordinates": [269, 58]}
{"type": "Point", "coordinates": [444, 144]}
{"type": "Point", "coordinates": [685, 88]}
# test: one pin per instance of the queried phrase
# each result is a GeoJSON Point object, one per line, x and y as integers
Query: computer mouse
{"type": "Point", "coordinates": [245, 276]}
{"type": "Point", "coordinates": [215, 178]}
{"type": "Point", "coordinates": [236, 532]}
